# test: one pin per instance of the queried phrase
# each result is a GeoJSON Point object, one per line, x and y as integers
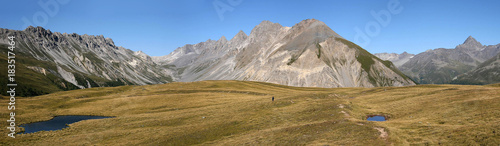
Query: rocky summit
{"type": "Point", "coordinates": [308, 54]}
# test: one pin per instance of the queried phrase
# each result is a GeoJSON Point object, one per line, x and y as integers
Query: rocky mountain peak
{"type": "Point", "coordinates": [265, 27]}
{"type": "Point", "coordinates": [470, 44]}
{"type": "Point", "coordinates": [38, 30]}
{"type": "Point", "coordinates": [265, 23]}
{"type": "Point", "coordinates": [34, 29]}
{"type": "Point", "coordinates": [240, 36]}
{"type": "Point", "coordinates": [222, 40]}
{"type": "Point", "coordinates": [471, 40]}
{"type": "Point", "coordinates": [397, 59]}
{"type": "Point", "coordinates": [316, 29]}
{"type": "Point", "coordinates": [29, 28]}
{"type": "Point", "coordinates": [405, 54]}
{"type": "Point", "coordinates": [309, 22]}
{"type": "Point", "coordinates": [209, 41]}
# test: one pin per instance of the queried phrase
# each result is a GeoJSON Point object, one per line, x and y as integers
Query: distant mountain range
{"type": "Point", "coordinates": [309, 54]}
{"type": "Point", "coordinates": [468, 63]}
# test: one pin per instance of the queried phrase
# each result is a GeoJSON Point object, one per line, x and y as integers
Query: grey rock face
{"type": "Point", "coordinates": [309, 54]}
{"type": "Point", "coordinates": [441, 66]}
{"type": "Point", "coordinates": [85, 60]}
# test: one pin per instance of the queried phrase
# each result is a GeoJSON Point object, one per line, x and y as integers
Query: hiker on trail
{"type": "Point", "coordinates": [273, 98]}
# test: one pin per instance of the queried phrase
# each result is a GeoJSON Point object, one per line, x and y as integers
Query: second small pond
{"type": "Point", "coordinates": [375, 118]}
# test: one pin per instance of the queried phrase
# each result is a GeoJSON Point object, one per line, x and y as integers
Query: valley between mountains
{"type": "Point", "coordinates": [278, 85]}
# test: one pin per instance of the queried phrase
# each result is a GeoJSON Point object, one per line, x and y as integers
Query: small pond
{"type": "Point", "coordinates": [56, 123]}
{"type": "Point", "coordinates": [375, 118]}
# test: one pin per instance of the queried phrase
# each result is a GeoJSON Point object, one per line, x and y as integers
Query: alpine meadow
{"type": "Point", "coordinates": [239, 72]}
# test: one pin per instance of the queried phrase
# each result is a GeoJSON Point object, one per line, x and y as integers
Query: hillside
{"type": "Point", "coordinates": [308, 54]}
{"type": "Point", "coordinates": [441, 66]}
{"type": "Point", "coordinates": [487, 72]}
{"type": "Point", "coordinates": [52, 61]}
{"type": "Point", "coordinates": [242, 113]}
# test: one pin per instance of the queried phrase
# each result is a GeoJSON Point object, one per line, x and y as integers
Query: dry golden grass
{"type": "Point", "coordinates": [242, 113]}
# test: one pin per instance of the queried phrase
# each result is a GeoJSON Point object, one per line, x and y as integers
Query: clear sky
{"type": "Point", "coordinates": [159, 27]}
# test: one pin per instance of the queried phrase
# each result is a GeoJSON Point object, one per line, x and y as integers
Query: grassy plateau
{"type": "Point", "coordinates": [242, 113]}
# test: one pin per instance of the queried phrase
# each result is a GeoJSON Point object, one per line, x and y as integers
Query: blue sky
{"type": "Point", "coordinates": [159, 27]}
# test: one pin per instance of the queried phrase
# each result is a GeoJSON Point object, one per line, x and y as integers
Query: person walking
{"type": "Point", "coordinates": [273, 98]}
